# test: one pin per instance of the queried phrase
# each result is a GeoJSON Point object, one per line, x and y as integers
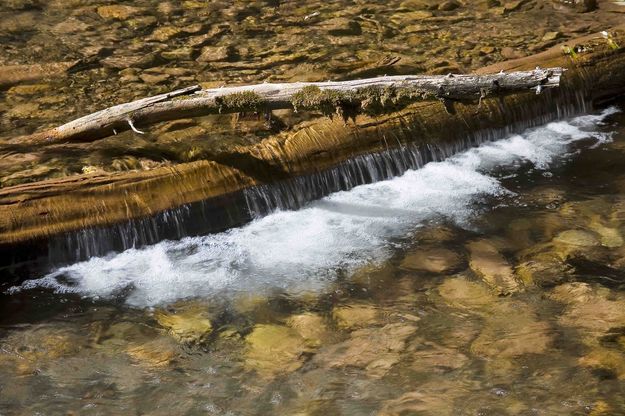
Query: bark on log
{"type": "Point", "coordinates": [374, 95]}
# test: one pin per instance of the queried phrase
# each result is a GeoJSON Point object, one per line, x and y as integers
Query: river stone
{"type": "Point", "coordinates": [154, 78]}
{"type": "Point", "coordinates": [153, 354]}
{"type": "Point", "coordinates": [433, 260]}
{"type": "Point", "coordinates": [71, 25]}
{"type": "Point", "coordinates": [180, 54]}
{"type": "Point", "coordinates": [543, 269]}
{"type": "Point", "coordinates": [461, 293]}
{"type": "Point", "coordinates": [486, 262]}
{"type": "Point", "coordinates": [512, 330]}
{"type": "Point", "coordinates": [19, 23]}
{"type": "Point", "coordinates": [448, 5]}
{"type": "Point", "coordinates": [309, 326]}
{"type": "Point", "coordinates": [141, 22]}
{"type": "Point", "coordinates": [27, 90]}
{"type": "Point", "coordinates": [419, 4]}
{"type": "Point", "coordinates": [274, 349]}
{"type": "Point", "coordinates": [429, 357]}
{"type": "Point", "coordinates": [610, 237]}
{"type": "Point", "coordinates": [605, 360]}
{"type": "Point", "coordinates": [577, 238]}
{"type": "Point", "coordinates": [551, 36]}
{"type": "Point", "coordinates": [118, 11]}
{"type": "Point", "coordinates": [355, 316]}
{"type": "Point", "coordinates": [215, 53]}
{"type": "Point", "coordinates": [38, 346]}
{"type": "Point", "coordinates": [341, 26]}
{"type": "Point", "coordinates": [433, 398]}
{"type": "Point", "coordinates": [24, 111]}
{"type": "Point", "coordinates": [375, 350]}
{"type": "Point", "coordinates": [188, 326]}
{"type": "Point", "coordinates": [165, 33]}
{"type": "Point", "coordinates": [511, 53]}
{"type": "Point", "coordinates": [594, 309]}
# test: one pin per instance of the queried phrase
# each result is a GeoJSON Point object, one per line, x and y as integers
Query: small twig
{"type": "Point", "coordinates": [133, 128]}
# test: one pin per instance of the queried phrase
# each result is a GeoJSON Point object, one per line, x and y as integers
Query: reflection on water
{"type": "Point", "coordinates": [490, 284]}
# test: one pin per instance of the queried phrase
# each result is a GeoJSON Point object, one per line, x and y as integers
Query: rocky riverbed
{"type": "Point", "coordinates": [509, 303]}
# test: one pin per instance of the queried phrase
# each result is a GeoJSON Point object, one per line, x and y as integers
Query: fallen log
{"type": "Point", "coordinates": [346, 98]}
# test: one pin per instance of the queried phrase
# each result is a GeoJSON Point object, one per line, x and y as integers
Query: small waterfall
{"type": "Point", "coordinates": [220, 213]}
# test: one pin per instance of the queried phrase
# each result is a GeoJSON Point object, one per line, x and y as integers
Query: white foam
{"type": "Point", "coordinates": [303, 250]}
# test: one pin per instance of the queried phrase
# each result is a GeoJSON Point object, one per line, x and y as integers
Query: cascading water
{"type": "Point", "coordinates": [300, 250]}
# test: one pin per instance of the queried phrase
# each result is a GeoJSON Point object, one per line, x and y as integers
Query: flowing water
{"type": "Point", "coordinates": [488, 283]}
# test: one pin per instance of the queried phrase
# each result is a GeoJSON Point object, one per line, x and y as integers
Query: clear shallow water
{"type": "Point", "coordinates": [303, 250]}
{"type": "Point", "coordinates": [376, 301]}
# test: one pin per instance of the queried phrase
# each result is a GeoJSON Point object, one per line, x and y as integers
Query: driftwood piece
{"type": "Point", "coordinates": [374, 95]}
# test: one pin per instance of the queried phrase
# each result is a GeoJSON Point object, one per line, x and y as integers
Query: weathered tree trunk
{"type": "Point", "coordinates": [371, 96]}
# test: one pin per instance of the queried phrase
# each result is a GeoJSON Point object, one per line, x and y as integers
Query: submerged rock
{"type": "Point", "coordinates": [459, 292]}
{"type": "Point", "coordinates": [29, 350]}
{"type": "Point", "coordinates": [486, 262]}
{"type": "Point", "coordinates": [429, 357]}
{"type": "Point", "coordinates": [433, 260]}
{"type": "Point", "coordinates": [189, 326]}
{"type": "Point", "coordinates": [342, 27]}
{"type": "Point", "coordinates": [355, 316]}
{"type": "Point", "coordinates": [595, 309]}
{"type": "Point", "coordinates": [577, 238]}
{"type": "Point", "coordinates": [605, 360]}
{"type": "Point", "coordinates": [118, 11]}
{"type": "Point", "coordinates": [511, 331]}
{"type": "Point", "coordinates": [309, 326]}
{"type": "Point", "coordinates": [435, 398]}
{"type": "Point", "coordinates": [543, 269]}
{"type": "Point", "coordinates": [153, 354]}
{"type": "Point", "coordinates": [375, 350]}
{"type": "Point", "coordinates": [609, 236]}
{"type": "Point", "coordinates": [274, 349]}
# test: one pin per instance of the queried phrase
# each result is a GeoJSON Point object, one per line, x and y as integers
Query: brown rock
{"type": "Point", "coordinates": [341, 26]}
{"type": "Point", "coordinates": [375, 350]}
{"type": "Point", "coordinates": [433, 260]}
{"type": "Point", "coordinates": [118, 11]}
{"type": "Point", "coordinates": [511, 53]}
{"type": "Point", "coordinates": [154, 78]}
{"type": "Point", "coordinates": [165, 33]}
{"type": "Point", "coordinates": [448, 5]}
{"type": "Point", "coordinates": [215, 54]}
{"type": "Point", "coordinates": [551, 36]}
{"type": "Point", "coordinates": [492, 267]}
{"type": "Point", "coordinates": [355, 316]}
